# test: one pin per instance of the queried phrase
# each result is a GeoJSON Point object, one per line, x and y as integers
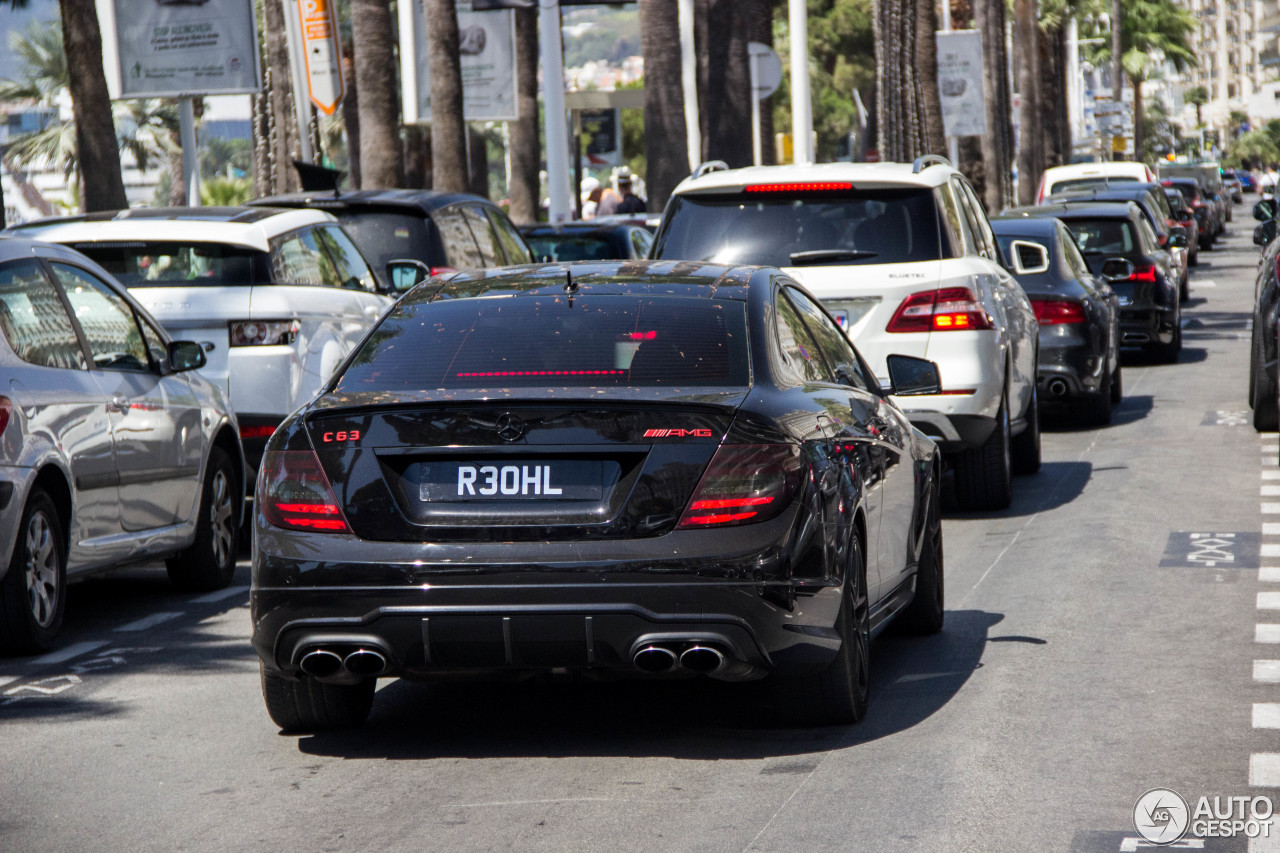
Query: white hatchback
{"type": "Point", "coordinates": [277, 298]}
{"type": "Point", "coordinates": [903, 258]}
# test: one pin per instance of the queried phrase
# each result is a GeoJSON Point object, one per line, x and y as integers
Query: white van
{"type": "Point", "coordinates": [1079, 175]}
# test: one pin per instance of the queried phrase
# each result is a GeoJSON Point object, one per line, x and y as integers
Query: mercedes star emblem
{"type": "Point", "coordinates": [510, 427]}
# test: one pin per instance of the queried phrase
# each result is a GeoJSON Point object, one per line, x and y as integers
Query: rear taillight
{"type": "Point", "coordinates": [295, 494]}
{"type": "Point", "coordinates": [744, 483]}
{"type": "Point", "coordinates": [948, 309]}
{"type": "Point", "coordinates": [263, 333]}
{"type": "Point", "coordinates": [6, 411]}
{"type": "Point", "coordinates": [442, 270]}
{"type": "Point", "coordinates": [1052, 312]}
{"type": "Point", "coordinates": [1147, 273]}
{"type": "Point", "coordinates": [800, 187]}
{"type": "Point", "coordinates": [256, 431]}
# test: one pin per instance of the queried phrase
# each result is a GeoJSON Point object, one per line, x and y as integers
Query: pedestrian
{"type": "Point", "coordinates": [591, 193]}
{"type": "Point", "coordinates": [609, 201]}
{"type": "Point", "coordinates": [631, 203]}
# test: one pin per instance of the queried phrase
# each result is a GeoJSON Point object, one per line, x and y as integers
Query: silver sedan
{"type": "Point", "coordinates": [112, 450]}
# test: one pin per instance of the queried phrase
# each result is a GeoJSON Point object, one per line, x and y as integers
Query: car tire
{"type": "Point", "coordinates": [1184, 289]}
{"type": "Point", "coordinates": [1117, 385]}
{"type": "Point", "coordinates": [1168, 353]}
{"type": "Point", "coordinates": [1096, 407]}
{"type": "Point", "coordinates": [1193, 259]}
{"type": "Point", "coordinates": [1026, 445]}
{"type": "Point", "coordinates": [1263, 394]}
{"type": "Point", "coordinates": [927, 611]}
{"type": "Point", "coordinates": [308, 705]}
{"type": "Point", "coordinates": [210, 562]}
{"type": "Point", "coordinates": [836, 695]}
{"type": "Point", "coordinates": [982, 474]}
{"type": "Point", "coordinates": [33, 593]}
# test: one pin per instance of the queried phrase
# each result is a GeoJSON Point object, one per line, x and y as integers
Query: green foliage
{"type": "Point", "coordinates": [842, 58]}
{"type": "Point", "coordinates": [1150, 31]}
{"type": "Point", "coordinates": [231, 157]}
{"type": "Point", "coordinates": [632, 121]}
{"type": "Point", "coordinates": [1198, 96]}
{"type": "Point", "coordinates": [614, 36]}
{"type": "Point", "coordinates": [225, 192]}
{"type": "Point", "coordinates": [1160, 135]}
{"type": "Point", "coordinates": [1255, 148]}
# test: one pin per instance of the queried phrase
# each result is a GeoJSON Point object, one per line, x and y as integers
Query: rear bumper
{"type": "Point", "coordinates": [1141, 325]}
{"type": "Point", "coordinates": [432, 609]}
{"type": "Point", "coordinates": [953, 433]}
{"type": "Point", "coordinates": [1072, 362]}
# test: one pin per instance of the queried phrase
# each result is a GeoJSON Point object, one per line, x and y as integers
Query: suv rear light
{"type": "Point", "coordinates": [946, 310]}
{"type": "Point", "coordinates": [800, 187]}
{"type": "Point", "coordinates": [263, 333]}
{"type": "Point", "coordinates": [743, 484]}
{"type": "Point", "coordinates": [6, 411]}
{"type": "Point", "coordinates": [1052, 312]}
{"type": "Point", "coordinates": [295, 494]}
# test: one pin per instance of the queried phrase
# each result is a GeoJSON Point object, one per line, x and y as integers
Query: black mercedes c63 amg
{"type": "Point", "coordinates": [654, 469]}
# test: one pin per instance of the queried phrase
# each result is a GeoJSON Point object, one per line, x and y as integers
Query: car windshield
{"type": "Point", "coordinates": [1091, 183]}
{"type": "Point", "coordinates": [554, 341]}
{"type": "Point", "coordinates": [384, 236]}
{"type": "Point", "coordinates": [1103, 236]}
{"type": "Point", "coordinates": [882, 226]}
{"type": "Point", "coordinates": [145, 263]}
{"type": "Point", "coordinates": [566, 248]}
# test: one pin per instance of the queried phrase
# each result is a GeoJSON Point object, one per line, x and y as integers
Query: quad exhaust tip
{"type": "Point", "coordinates": [327, 663]}
{"type": "Point", "coordinates": [1058, 387]}
{"type": "Point", "coordinates": [365, 662]}
{"type": "Point", "coordinates": [703, 660]}
{"type": "Point", "coordinates": [654, 659]}
{"type": "Point", "coordinates": [320, 663]}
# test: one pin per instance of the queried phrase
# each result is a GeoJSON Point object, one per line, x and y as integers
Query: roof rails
{"type": "Point", "coordinates": [711, 166]}
{"type": "Point", "coordinates": [927, 160]}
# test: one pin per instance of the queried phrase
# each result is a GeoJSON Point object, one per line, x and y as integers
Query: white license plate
{"type": "Point", "coordinates": [500, 480]}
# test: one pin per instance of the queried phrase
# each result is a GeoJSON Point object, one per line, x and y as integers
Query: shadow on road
{"type": "Point", "coordinates": [1054, 485]}
{"type": "Point", "coordinates": [912, 678]}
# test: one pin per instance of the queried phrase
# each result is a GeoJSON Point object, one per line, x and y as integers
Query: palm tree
{"type": "Point", "coordinates": [724, 79]}
{"type": "Point", "coordinates": [1026, 49]}
{"type": "Point", "coordinates": [373, 43]}
{"type": "Point", "coordinates": [525, 143]}
{"type": "Point", "coordinates": [448, 128]}
{"type": "Point", "coordinates": [666, 152]}
{"type": "Point", "coordinates": [906, 80]}
{"type": "Point", "coordinates": [997, 142]}
{"type": "Point", "coordinates": [96, 148]}
{"type": "Point", "coordinates": [275, 128]}
{"type": "Point", "coordinates": [1197, 97]}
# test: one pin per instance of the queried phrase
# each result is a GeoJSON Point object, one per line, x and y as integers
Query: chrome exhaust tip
{"type": "Point", "coordinates": [703, 660]}
{"type": "Point", "coordinates": [365, 662]}
{"type": "Point", "coordinates": [1136, 338]}
{"type": "Point", "coordinates": [320, 663]}
{"type": "Point", "coordinates": [1057, 387]}
{"type": "Point", "coordinates": [654, 659]}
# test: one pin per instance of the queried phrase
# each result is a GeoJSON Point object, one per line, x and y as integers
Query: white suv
{"type": "Point", "coordinates": [277, 298]}
{"type": "Point", "coordinates": [903, 258]}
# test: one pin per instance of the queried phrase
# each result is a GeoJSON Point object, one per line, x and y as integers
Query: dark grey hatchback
{"type": "Point", "coordinates": [651, 469]}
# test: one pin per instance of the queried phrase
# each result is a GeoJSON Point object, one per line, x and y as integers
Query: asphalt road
{"type": "Point", "coordinates": [1101, 640]}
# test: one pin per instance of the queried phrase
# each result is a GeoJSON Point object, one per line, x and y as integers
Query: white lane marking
{"type": "Point", "coordinates": [1270, 491]}
{"type": "Point", "coordinates": [237, 590]}
{"type": "Point", "coordinates": [1266, 715]}
{"type": "Point", "coordinates": [1207, 282]}
{"type": "Point", "coordinates": [1269, 459]}
{"type": "Point", "coordinates": [7, 679]}
{"type": "Point", "coordinates": [1271, 475]}
{"type": "Point", "coordinates": [1266, 632]}
{"type": "Point", "coordinates": [1264, 769]}
{"type": "Point", "coordinates": [148, 622]}
{"type": "Point", "coordinates": [1271, 529]}
{"type": "Point", "coordinates": [1269, 550]}
{"type": "Point", "coordinates": [1269, 574]}
{"type": "Point", "coordinates": [66, 654]}
{"type": "Point", "coordinates": [62, 684]}
{"type": "Point", "coordinates": [1269, 601]}
{"type": "Point", "coordinates": [1270, 509]}
{"type": "Point", "coordinates": [1267, 671]}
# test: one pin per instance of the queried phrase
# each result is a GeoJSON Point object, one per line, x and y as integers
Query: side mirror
{"type": "Point", "coordinates": [1177, 238]}
{"type": "Point", "coordinates": [1117, 269]}
{"type": "Point", "coordinates": [1028, 258]}
{"type": "Point", "coordinates": [1264, 210]}
{"type": "Point", "coordinates": [913, 377]}
{"type": "Point", "coordinates": [1265, 233]}
{"type": "Point", "coordinates": [404, 274]}
{"type": "Point", "coordinates": [185, 355]}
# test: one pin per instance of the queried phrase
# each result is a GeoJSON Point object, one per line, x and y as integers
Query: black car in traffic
{"type": "Point", "coordinates": [587, 241]}
{"type": "Point", "coordinates": [644, 469]}
{"type": "Point", "coordinates": [1264, 350]}
{"type": "Point", "coordinates": [1078, 313]}
{"type": "Point", "coordinates": [1120, 246]}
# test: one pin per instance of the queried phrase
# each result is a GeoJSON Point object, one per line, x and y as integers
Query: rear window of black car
{"type": "Point", "coordinates": [574, 248]}
{"type": "Point", "coordinates": [1110, 236]}
{"type": "Point", "coordinates": [155, 263]}
{"type": "Point", "coordinates": [386, 236]}
{"type": "Point", "coordinates": [879, 226]}
{"type": "Point", "coordinates": [554, 341]}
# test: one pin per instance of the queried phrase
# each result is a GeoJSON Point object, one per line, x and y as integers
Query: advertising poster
{"type": "Point", "coordinates": [964, 110]}
{"type": "Point", "coordinates": [487, 43]}
{"type": "Point", "coordinates": [162, 48]}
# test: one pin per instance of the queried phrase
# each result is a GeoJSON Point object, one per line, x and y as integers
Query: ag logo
{"type": "Point", "coordinates": [1161, 816]}
{"type": "Point", "coordinates": [510, 427]}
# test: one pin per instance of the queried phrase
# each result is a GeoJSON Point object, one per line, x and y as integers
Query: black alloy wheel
{"type": "Point", "coordinates": [210, 562]}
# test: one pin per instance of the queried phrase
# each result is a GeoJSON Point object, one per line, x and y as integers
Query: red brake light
{"type": "Point", "coordinates": [442, 270]}
{"type": "Point", "coordinates": [800, 187]}
{"type": "Point", "coordinates": [1143, 274]}
{"type": "Point", "coordinates": [744, 483]}
{"type": "Point", "coordinates": [1052, 312]}
{"type": "Point", "coordinates": [256, 431]}
{"type": "Point", "coordinates": [295, 494]}
{"type": "Point", "coordinates": [6, 411]}
{"type": "Point", "coordinates": [946, 310]}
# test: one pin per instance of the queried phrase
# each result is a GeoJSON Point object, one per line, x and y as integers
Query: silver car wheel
{"type": "Point", "coordinates": [42, 570]}
{"type": "Point", "coordinates": [220, 508]}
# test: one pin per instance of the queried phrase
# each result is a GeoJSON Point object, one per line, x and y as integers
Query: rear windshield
{"type": "Point", "coordinates": [554, 341]}
{"type": "Point", "coordinates": [1090, 183]}
{"type": "Point", "coordinates": [386, 236]}
{"type": "Point", "coordinates": [882, 226]}
{"type": "Point", "coordinates": [573, 248]}
{"type": "Point", "coordinates": [1103, 236]}
{"type": "Point", "coordinates": [137, 263]}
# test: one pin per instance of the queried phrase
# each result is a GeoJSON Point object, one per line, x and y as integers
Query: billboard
{"type": "Point", "coordinates": [964, 109]}
{"type": "Point", "coordinates": [487, 44]}
{"type": "Point", "coordinates": [168, 49]}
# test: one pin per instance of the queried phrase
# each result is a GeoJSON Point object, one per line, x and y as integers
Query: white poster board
{"type": "Point", "coordinates": [159, 49]}
{"type": "Point", "coordinates": [964, 109]}
{"type": "Point", "coordinates": [487, 43]}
